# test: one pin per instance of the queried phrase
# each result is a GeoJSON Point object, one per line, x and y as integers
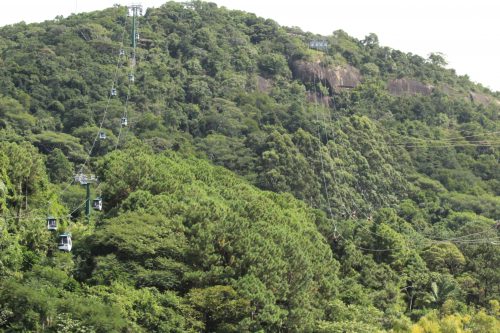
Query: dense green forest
{"type": "Point", "coordinates": [261, 183]}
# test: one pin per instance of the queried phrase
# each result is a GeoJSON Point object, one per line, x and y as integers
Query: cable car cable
{"type": "Point", "coordinates": [371, 249]}
{"type": "Point", "coordinates": [89, 153]}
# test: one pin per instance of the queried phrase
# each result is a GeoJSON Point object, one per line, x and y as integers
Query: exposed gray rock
{"type": "Point", "coordinates": [400, 87]}
{"type": "Point", "coordinates": [263, 85]}
{"type": "Point", "coordinates": [326, 101]}
{"type": "Point", "coordinates": [483, 99]}
{"type": "Point", "coordinates": [335, 78]}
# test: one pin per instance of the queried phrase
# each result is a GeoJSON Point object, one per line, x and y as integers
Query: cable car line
{"type": "Point", "coordinates": [458, 137]}
{"type": "Point", "coordinates": [451, 142]}
{"type": "Point", "coordinates": [320, 153]}
{"type": "Point", "coordinates": [352, 212]}
{"type": "Point", "coordinates": [100, 135]}
{"type": "Point", "coordinates": [124, 118]}
{"type": "Point", "coordinates": [89, 153]}
{"type": "Point", "coordinates": [444, 144]}
{"type": "Point", "coordinates": [431, 240]}
{"type": "Point", "coordinates": [97, 203]}
{"type": "Point", "coordinates": [337, 234]}
{"type": "Point", "coordinates": [456, 140]}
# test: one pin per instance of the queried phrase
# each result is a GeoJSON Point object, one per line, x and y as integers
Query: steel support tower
{"type": "Point", "coordinates": [135, 11]}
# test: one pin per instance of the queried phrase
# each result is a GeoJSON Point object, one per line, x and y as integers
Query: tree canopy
{"type": "Point", "coordinates": [259, 185]}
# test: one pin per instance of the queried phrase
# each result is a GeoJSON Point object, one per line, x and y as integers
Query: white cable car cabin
{"type": "Point", "coordinates": [113, 91]}
{"type": "Point", "coordinates": [124, 121]}
{"type": "Point", "coordinates": [122, 52]}
{"type": "Point", "coordinates": [65, 243]}
{"type": "Point", "coordinates": [131, 77]}
{"type": "Point", "coordinates": [102, 135]}
{"type": "Point", "coordinates": [97, 203]}
{"type": "Point", "coordinates": [51, 223]}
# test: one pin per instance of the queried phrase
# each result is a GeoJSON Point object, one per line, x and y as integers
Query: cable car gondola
{"type": "Point", "coordinates": [65, 243]}
{"type": "Point", "coordinates": [113, 91]}
{"type": "Point", "coordinates": [51, 223]}
{"type": "Point", "coordinates": [102, 135]}
{"type": "Point", "coordinates": [124, 121]}
{"type": "Point", "coordinates": [131, 77]}
{"type": "Point", "coordinates": [97, 203]}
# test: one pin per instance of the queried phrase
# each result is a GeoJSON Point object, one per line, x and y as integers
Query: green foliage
{"type": "Point", "coordinates": [68, 144]}
{"type": "Point", "coordinates": [14, 115]}
{"type": "Point", "coordinates": [352, 209]}
{"type": "Point", "coordinates": [274, 64]}
{"type": "Point", "coordinates": [39, 304]}
{"type": "Point", "coordinates": [477, 322]}
{"type": "Point", "coordinates": [220, 307]}
{"type": "Point", "coordinates": [59, 167]}
{"type": "Point", "coordinates": [230, 230]}
{"type": "Point", "coordinates": [10, 253]}
{"type": "Point", "coordinates": [444, 257]}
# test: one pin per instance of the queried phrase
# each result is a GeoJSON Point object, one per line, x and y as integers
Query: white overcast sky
{"type": "Point", "coordinates": [466, 32]}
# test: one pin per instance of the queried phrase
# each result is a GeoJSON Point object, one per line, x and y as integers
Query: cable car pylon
{"type": "Point", "coordinates": [135, 10]}
{"type": "Point", "coordinates": [86, 180]}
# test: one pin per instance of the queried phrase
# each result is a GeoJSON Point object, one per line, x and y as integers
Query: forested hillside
{"type": "Point", "coordinates": [254, 178]}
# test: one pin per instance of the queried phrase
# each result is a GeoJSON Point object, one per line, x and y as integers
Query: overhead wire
{"type": "Point", "coordinates": [461, 137]}
{"type": "Point", "coordinates": [453, 141]}
{"type": "Point", "coordinates": [131, 79]}
{"type": "Point", "coordinates": [124, 116]}
{"type": "Point", "coordinates": [342, 199]}
{"type": "Point", "coordinates": [352, 212]}
{"type": "Point", "coordinates": [323, 172]}
{"type": "Point", "coordinates": [467, 237]}
{"type": "Point", "coordinates": [125, 112]}
{"type": "Point", "coordinates": [339, 235]}
{"type": "Point", "coordinates": [119, 64]}
{"type": "Point", "coordinates": [89, 152]}
{"type": "Point", "coordinates": [80, 169]}
{"type": "Point", "coordinates": [108, 102]}
{"type": "Point", "coordinates": [445, 145]}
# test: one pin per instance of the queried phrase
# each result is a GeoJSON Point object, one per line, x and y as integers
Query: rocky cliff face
{"type": "Point", "coordinates": [483, 99]}
{"type": "Point", "coordinates": [325, 101]}
{"type": "Point", "coordinates": [263, 85]}
{"type": "Point", "coordinates": [400, 87]}
{"type": "Point", "coordinates": [335, 78]}
{"type": "Point", "coordinates": [348, 77]}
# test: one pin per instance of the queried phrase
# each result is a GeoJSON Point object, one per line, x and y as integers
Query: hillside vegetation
{"type": "Point", "coordinates": [260, 185]}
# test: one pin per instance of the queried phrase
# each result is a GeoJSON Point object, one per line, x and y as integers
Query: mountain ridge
{"type": "Point", "coordinates": [243, 194]}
